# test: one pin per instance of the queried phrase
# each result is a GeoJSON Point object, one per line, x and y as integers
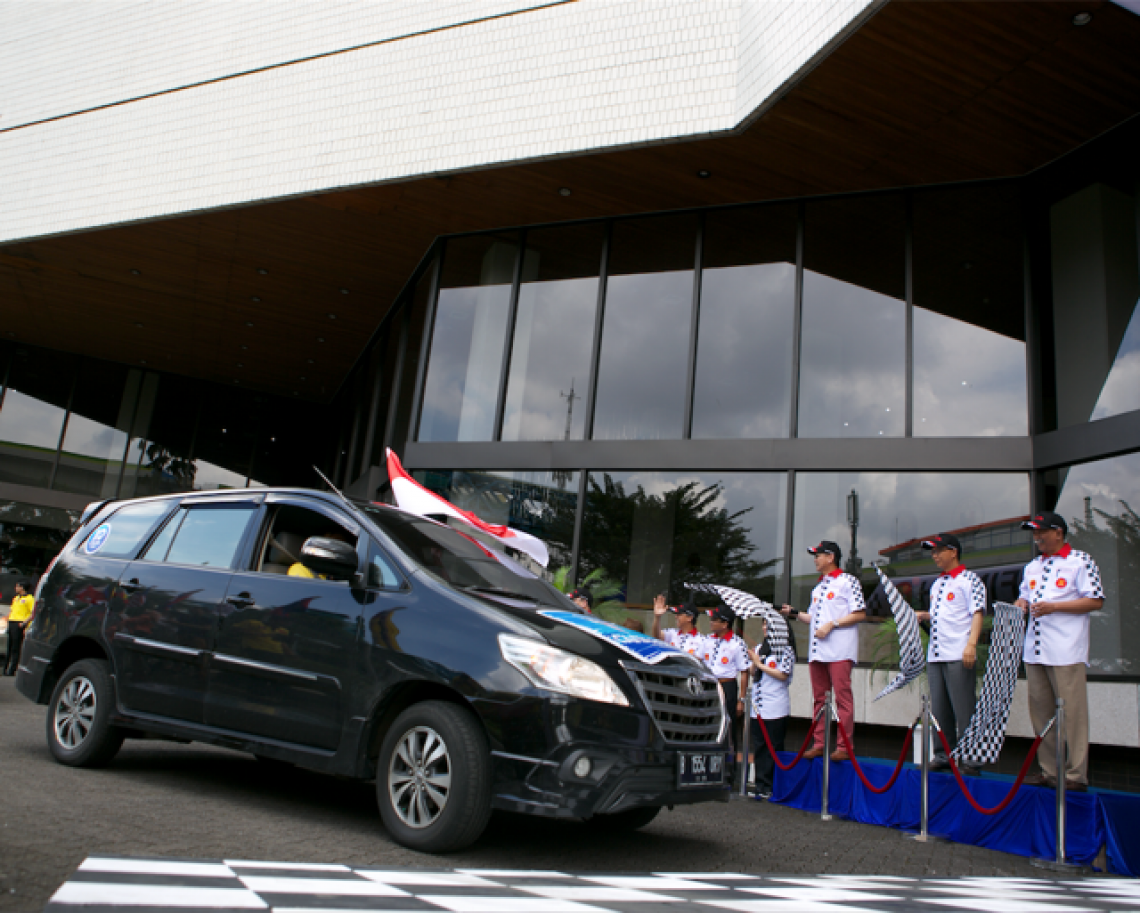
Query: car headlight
{"type": "Point", "coordinates": [556, 670]}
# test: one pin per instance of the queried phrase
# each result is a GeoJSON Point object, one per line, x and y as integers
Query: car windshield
{"type": "Point", "coordinates": [461, 561]}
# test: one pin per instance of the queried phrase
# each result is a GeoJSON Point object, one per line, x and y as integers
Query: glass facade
{"type": "Point", "coordinates": [853, 348]}
{"type": "Point", "coordinates": [880, 519]}
{"type": "Point", "coordinates": [954, 314]}
{"type": "Point", "coordinates": [874, 316]}
{"type": "Point", "coordinates": [470, 330]}
{"type": "Point", "coordinates": [554, 330]}
{"type": "Point", "coordinates": [543, 504]}
{"type": "Point", "coordinates": [1093, 247]}
{"type": "Point", "coordinates": [653, 532]}
{"type": "Point", "coordinates": [1100, 502]}
{"type": "Point", "coordinates": [969, 307]}
{"type": "Point", "coordinates": [742, 387]}
{"type": "Point", "coordinates": [646, 326]}
{"type": "Point", "coordinates": [77, 430]}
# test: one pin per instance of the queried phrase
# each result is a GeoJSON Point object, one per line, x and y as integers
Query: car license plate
{"type": "Point", "coordinates": [700, 768]}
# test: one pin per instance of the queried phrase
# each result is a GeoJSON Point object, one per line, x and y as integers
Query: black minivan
{"type": "Point", "coordinates": [367, 642]}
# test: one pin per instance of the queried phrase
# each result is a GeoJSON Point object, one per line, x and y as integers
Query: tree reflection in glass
{"type": "Point", "coordinates": [654, 532]}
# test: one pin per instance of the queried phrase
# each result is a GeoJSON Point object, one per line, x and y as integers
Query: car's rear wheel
{"type": "Point", "coordinates": [79, 730]}
{"type": "Point", "coordinates": [623, 822]}
{"type": "Point", "coordinates": [433, 778]}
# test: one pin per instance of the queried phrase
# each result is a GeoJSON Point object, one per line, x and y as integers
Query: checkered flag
{"type": "Point", "coordinates": [745, 605]}
{"type": "Point", "coordinates": [983, 739]}
{"type": "Point", "coordinates": [911, 658]}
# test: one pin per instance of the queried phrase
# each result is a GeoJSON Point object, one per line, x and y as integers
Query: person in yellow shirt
{"type": "Point", "coordinates": [23, 606]}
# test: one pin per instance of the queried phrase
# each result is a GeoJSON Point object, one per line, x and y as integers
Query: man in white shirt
{"type": "Point", "coordinates": [771, 705]}
{"type": "Point", "coordinates": [728, 660]}
{"type": "Point", "coordinates": [1059, 588]}
{"type": "Point", "coordinates": [957, 607]}
{"type": "Point", "coordinates": [685, 636]}
{"type": "Point", "coordinates": [836, 609]}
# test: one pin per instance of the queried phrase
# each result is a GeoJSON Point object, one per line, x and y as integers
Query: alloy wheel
{"type": "Point", "coordinates": [419, 777]}
{"type": "Point", "coordinates": [75, 712]}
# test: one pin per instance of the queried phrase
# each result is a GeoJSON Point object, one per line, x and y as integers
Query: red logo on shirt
{"type": "Point", "coordinates": [724, 659]}
{"type": "Point", "coordinates": [1032, 584]}
{"type": "Point", "coordinates": [949, 597]}
{"type": "Point", "coordinates": [1062, 583]}
{"type": "Point", "coordinates": [830, 595]}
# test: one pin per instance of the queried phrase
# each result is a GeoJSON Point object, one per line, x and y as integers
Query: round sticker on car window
{"type": "Point", "coordinates": [97, 539]}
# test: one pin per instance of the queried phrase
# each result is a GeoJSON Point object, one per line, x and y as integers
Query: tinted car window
{"type": "Point", "coordinates": [160, 545]}
{"type": "Point", "coordinates": [459, 560]}
{"type": "Point", "coordinates": [120, 536]}
{"type": "Point", "coordinates": [381, 574]}
{"type": "Point", "coordinates": [210, 536]}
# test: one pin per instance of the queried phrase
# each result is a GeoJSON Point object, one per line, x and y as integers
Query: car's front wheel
{"type": "Point", "coordinates": [79, 730]}
{"type": "Point", "coordinates": [433, 778]}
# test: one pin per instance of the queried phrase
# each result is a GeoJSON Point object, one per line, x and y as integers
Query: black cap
{"type": "Point", "coordinates": [583, 593]}
{"type": "Point", "coordinates": [687, 609]}
{"type": "Point", "coordinates": [722, 613]}
{"type": "Point", "coordinates": [1046, 520]}
{"type": "Point", "coordinates": [827, 547]}
{"type": "Point", "coordinates": [943, 540]}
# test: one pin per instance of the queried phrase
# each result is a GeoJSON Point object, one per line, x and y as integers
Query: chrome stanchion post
{"type": "Point", "coordinates": [924, 825]}
{"type": "Point", "coordinates": [746, 736]}
{"type": "Point", "coordinates": [1060, 864]}
{"type": "Point", "coordinates": [924, 835]}
{"type": "Point", "coordinates": [1061, 766]}
{"type": "Point", "coordinates": [823, 807]}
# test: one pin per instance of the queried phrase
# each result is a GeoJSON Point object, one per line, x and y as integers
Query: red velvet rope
{"type": "Point", "coordinates": [772, 751]}
{"type": "Point", "coordinates": [1017, 783]}
{"type": "Point", "coordinates": [859, 770]}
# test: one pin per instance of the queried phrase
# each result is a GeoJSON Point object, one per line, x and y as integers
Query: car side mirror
{"type": "Point", "coordinates": [329, 557]}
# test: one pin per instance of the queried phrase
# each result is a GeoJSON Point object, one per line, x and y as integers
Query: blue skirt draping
{"type": "Point", "coordinates": [1026, 827]}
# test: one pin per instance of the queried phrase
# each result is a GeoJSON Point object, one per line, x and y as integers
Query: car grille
{"type": "Point", "coordinates": [680, 716]}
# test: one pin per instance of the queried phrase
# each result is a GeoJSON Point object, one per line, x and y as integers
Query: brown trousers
{"type": "Point", "coordinates": [1046, 684]}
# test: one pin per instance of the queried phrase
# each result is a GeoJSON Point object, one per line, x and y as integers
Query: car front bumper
{"type": "Point", "coordinates": [618, 779]}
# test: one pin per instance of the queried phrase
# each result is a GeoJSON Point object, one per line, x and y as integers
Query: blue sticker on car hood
{"type": "Point", "coordinates": [642, 646]}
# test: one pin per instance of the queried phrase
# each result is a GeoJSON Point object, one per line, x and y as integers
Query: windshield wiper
{"type": "Point", "coordinates": [499, 591]}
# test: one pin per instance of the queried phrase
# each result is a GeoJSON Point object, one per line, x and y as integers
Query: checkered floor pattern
{"type": "Point", "coordinates": [144, 885]}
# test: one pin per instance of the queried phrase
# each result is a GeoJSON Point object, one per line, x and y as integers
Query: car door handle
{"type": "Point", "coordinates": [131, 585]}
{"type": "Point", "coordinates": [241, 600]}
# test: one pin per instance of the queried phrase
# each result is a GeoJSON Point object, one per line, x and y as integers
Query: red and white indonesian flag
{"type": "Point", "coordinates": [414, 498]}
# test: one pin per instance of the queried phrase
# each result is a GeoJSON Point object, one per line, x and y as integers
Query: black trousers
{"type": "Point", "coordinates": [765, 765]}
{"type": "Point", "coordinates": [731, 696]}
{"type": "Point", "coordinates": [15, 642]}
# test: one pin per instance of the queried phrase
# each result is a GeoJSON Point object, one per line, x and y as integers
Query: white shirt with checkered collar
{"type": "Point", "coordinates": [954, 599]}
{"type": "Point", "coordinates": [692, 642]}
{"type": "Point", "coordinates": [1060, 638]}
{"type": "Point", "coordinates": [837, 595]}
